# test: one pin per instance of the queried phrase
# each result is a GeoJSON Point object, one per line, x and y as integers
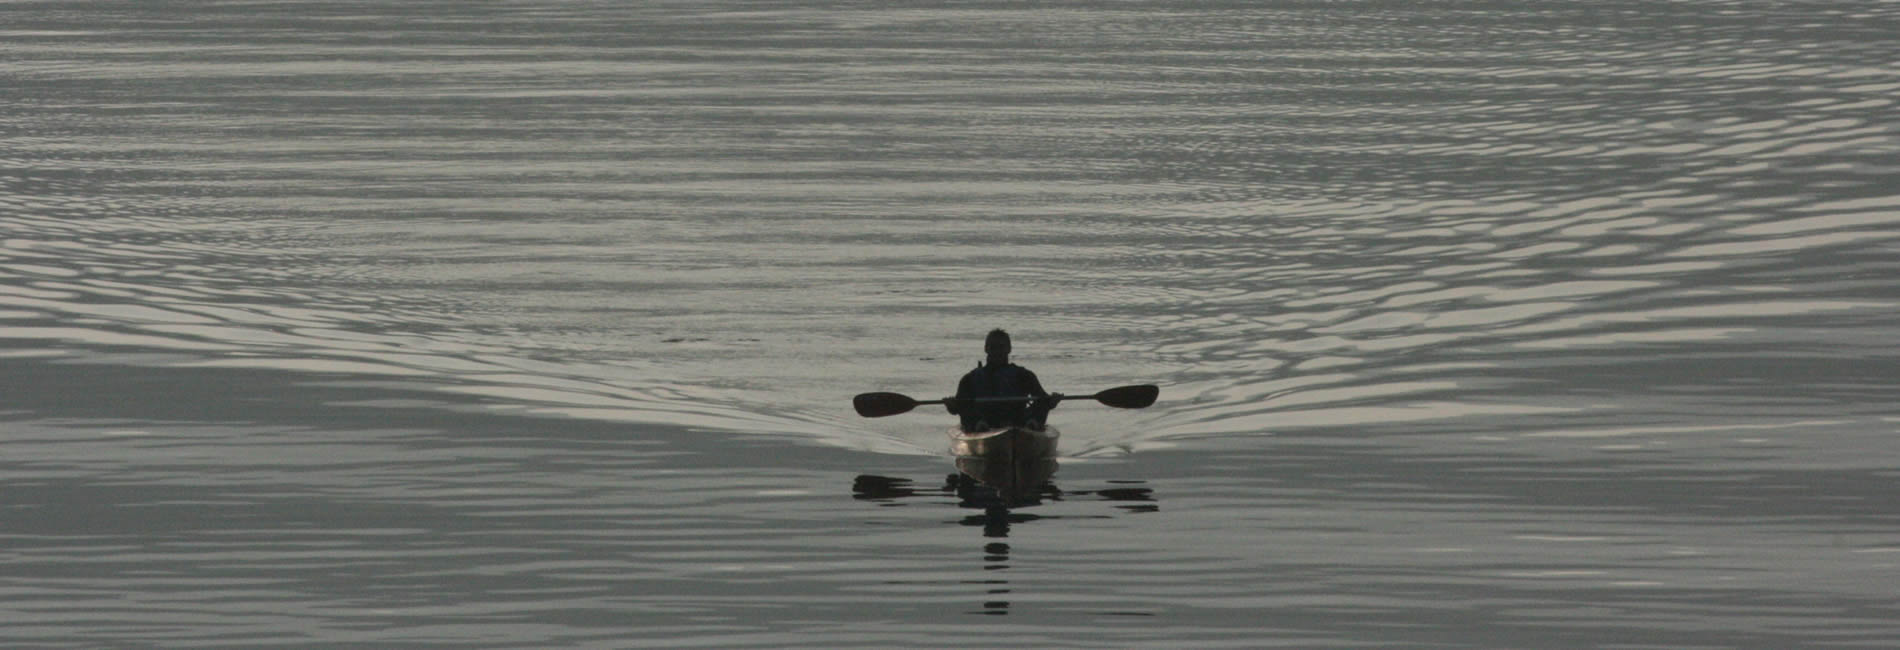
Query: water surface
{"type": "Point", "coordinates": [530, 324]}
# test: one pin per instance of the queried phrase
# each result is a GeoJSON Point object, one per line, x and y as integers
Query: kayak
{"type": "Point", "coordinates": [1013, 462]}
{"type": "Point", "coordinates": [1007, 443]}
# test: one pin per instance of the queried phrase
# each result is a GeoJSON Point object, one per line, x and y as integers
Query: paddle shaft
{"type": "Point", "coordinates": [877, 405]}
{"type": "Point", "coordinates": [985, 399]}
{"type": "Point", "coordinates": [1024, 398]}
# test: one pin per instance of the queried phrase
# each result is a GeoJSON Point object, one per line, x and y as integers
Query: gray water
{"type": "Point", "coordinates": [535, 324]}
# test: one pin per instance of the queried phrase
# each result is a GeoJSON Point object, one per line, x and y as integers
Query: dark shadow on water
{"type": "Point", "coordinates": [1000, 490]}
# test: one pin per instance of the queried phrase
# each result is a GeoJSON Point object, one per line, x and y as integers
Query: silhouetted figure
{"type": "Point", "coordinates": [997, 377]}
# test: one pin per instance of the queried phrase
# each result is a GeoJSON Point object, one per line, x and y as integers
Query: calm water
{"type": "Point", "coordinates": [534, 324]}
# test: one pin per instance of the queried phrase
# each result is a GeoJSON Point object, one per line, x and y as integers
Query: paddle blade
{"type": "Point", "coordinates": [877, 405]}
{"type": "Point", "coordinates": [1130, 397]}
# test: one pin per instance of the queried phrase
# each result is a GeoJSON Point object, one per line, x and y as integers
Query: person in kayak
{"type": "Point", "coordinates": [997, 377]}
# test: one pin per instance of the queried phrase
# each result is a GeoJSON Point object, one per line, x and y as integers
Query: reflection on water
{"type": "Point", "coordinates": [1001, 503]}
{"type": "Point", "coordinates": [1007, 482]}
{"type": "Point", "coordinates": [996, 558]}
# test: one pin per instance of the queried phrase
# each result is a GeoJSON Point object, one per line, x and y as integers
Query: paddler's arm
{"type": "Point", "coordinates": [1032, 384]}
{"type": "Point", "coordinates": [1042, 403]}
{"type": "Point", "coordinates": [955, 404]}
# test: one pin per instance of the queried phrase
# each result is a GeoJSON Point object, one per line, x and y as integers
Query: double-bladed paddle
{"type": "Point", "coordinates": [877, 405]}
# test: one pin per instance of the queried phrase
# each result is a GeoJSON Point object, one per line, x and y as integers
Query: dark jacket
{"type": "Point", "coordinates": [1007, 380]}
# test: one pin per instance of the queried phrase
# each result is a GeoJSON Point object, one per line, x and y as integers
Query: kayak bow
{"type": "Point", "coordinates": [1006, 443]}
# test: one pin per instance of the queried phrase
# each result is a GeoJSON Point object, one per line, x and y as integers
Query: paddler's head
{"type": "Point", "coordinates": [996, 345]}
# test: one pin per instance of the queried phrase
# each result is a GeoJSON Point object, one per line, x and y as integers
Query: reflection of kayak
{"type": "Point", "coordinates": [1011, 482]}
{"type": "Point", "coordinates": [1008, 443]}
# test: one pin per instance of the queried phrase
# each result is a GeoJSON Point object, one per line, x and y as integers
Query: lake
{"type": "Point", "coordinates": [536, 323]}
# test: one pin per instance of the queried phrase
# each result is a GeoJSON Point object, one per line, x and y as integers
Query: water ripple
{"type": "Point", "coordinates": [1502, 266]}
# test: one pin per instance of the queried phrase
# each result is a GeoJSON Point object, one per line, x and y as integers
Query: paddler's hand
{"type": "Point", "coordinates": [952, 404]}
{"type": "Point", "coordinates": [1048, 403]}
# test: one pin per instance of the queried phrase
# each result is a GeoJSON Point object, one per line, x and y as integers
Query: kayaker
{"type": "Point", "coordinates": [997, 377]}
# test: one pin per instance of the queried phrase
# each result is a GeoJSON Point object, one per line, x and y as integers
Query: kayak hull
{"type": "Point", "coordinates": [1007, 443]}
{"type": "Point", "coordinates": [1014, 464]}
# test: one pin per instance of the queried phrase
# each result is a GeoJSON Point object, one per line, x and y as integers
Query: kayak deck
{"type": "Point", "coordinates": [1005, 442]}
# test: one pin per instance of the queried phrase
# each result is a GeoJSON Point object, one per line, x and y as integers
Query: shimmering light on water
{"type": "Point", "coordinates": [534, 324]}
